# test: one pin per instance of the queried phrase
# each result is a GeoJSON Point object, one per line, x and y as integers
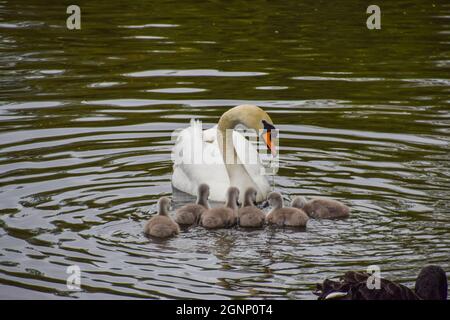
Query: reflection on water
{"type": "Point", "coordinates": [86, 118]}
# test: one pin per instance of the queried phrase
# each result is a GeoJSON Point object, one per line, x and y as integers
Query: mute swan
{"type": "Point", "coordinates": [431, 284]}
{"type": "Point", "coordinates": [222, 217]}
{"type": "Point", "coordinates": [321, 208]}
{"type": "Point", "coordinates": [191, 212]}
{"type": "Point", "coordinates": [250, 216]}
{"type": "Point", "coordinates": [290, 217]}
{"type": "Point", "coordinates": [218, 155]}
{"type": "Point", "coordinates": [161, 225]}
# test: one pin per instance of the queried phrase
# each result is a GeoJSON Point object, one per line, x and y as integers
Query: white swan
{"type": "Point", "coordinates": [223, 157]}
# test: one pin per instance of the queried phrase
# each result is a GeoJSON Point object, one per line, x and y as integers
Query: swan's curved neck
{"type": "Point", "coordinates": [236, 171]}
{"type": "Point", "coordinates": [249, 116]}
{"type": "Point", "coordinates": [226, 147]}
{"type": "Point", "coordinates": [227, 122]}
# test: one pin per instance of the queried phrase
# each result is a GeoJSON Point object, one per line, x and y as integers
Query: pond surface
{"type": "Point", "coordinates": [86, 119]}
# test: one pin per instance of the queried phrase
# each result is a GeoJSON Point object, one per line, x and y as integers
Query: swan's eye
{"type": "Point", "coordinates": [267, 126]}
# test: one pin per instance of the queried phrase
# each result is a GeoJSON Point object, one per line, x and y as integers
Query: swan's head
{"type": "Point", "coordinates": [233, 197]}
{"type": "Point", "coordinates": [250, 197]}
{"type": "Point", "coordinates": [431, 284]}
{"type": "Point", "coordinates": [251, 117]}
{"type": "Point", "coordinates": [164, 204]}
{"type": "Point", "coordinates": [298, 202]}
{"type": "Point", "coordinates": [275, 200]}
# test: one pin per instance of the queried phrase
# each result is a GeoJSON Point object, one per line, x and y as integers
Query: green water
{"type": "Point", "coordinates": [86, 118]}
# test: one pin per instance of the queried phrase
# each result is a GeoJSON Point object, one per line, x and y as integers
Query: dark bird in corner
{"type": "Point", "coordinates": [431, 284]}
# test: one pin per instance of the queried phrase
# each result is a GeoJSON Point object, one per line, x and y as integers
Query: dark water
{"type": "Point", "coordinates": [86, 118]}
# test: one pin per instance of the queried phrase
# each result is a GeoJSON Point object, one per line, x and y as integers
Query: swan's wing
{"type": "Point", "coordinates": [210, 135]}
{"type": "Point", "coordinates": [197, 160]}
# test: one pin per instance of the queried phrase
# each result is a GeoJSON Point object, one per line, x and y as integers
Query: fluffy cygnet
{"type": "Point", "coordinates": [225, 216]}
{"type": "Point", "coordinates": [250, 216]}
{"type": "Point", "coordinates": [321, 208]}
{"type": "Point", "coordinates": [281, 216]}
{"type": "Point", "coordinates": [191, 213]}
{"type": "Point", "coordinates": [161, 225]}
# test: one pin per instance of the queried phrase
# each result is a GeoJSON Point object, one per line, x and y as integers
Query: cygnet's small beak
{"type": "Point", "coordinates": [265, 204]}
{"type": "Point", "coordinates": [238, 203]}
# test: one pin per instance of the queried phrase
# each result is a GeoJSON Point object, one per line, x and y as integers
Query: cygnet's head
{"type": "Point", "coordinates": [275, 200]}
{"type": "Point", "coordinates": [250, 197]}
{"type": "Point", "coordinates": [232, 197]}
{"type": "Point", "coordinates": [203, 191]}
{"type": "Point", "coordinates": [164, 204]}
{"type": "Point", "coordinates": [298, 202]}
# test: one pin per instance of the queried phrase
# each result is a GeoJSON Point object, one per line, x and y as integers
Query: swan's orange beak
{"type": "Point", "coordinates": [267, 136]}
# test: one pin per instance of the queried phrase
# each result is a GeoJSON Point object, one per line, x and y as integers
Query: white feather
{"type": "Point", "coordinates": [197, 159]}
{"type": "Point", "coordinates": [335, 295]}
